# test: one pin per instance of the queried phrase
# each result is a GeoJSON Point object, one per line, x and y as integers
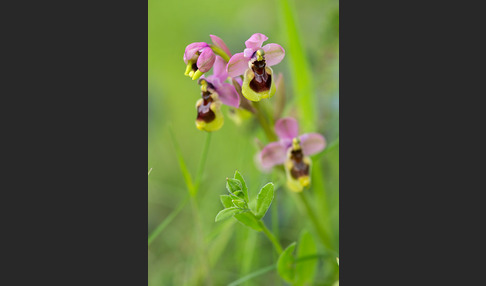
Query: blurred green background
{"type": "Point", "coordinates": [233, 250]}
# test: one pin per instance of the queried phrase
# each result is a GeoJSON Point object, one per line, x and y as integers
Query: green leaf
{"type": "Point", "coordinates": [233, 185]}
{"type": "Point", "coordinates": [244, 188]}
{"type": "Point", "coordinates": [226, 213]}
{"type": "Point", "coordinates": [249, 220]}
{"type": "Point", "coordinates": [305, 271]}
{"type": "Point", "coordinates": [264, 200]}
{"type": "Point", "coordinates": [240, 204]}
{"type": "Point", "coordinates": [226, 201]}
{"type": "Point", "coordinates": [285, 264]}
{"type": "Point", "coordinates": [240, 195]}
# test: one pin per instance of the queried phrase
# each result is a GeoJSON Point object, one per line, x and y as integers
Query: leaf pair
{"type": "Point", "coordinates": [237, 202]}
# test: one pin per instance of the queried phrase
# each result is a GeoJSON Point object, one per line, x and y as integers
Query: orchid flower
{"type": "Point", "coordinates": [254, 63]}
{"type": "Point", "coordinates": [215, 92]}
{"type": "Point", "coordinates": [293, 151]}
{"type": "Point", "coordinates": [199, 57]}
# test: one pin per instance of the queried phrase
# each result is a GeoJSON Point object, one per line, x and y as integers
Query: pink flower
{"type": "Point", "coordinates": [254, 63]}
{"type": "Point", "coordinates": [293, 151]}
{"type": "Point", "coordinates": [199, 57]}
{"type": "Point", "coordinates": [214, 92]}
{"type": "Point", "coordinates": [216, 83]}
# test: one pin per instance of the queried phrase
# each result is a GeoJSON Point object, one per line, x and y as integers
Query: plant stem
{"type": "Point", "coordinates": [263, 122]}
{"type": "Point", "coordinates": [271, 237]}
{"type": "Point", "coordinates": [275, 218]}
{"type": "Point", "coordinates": [320, 231]}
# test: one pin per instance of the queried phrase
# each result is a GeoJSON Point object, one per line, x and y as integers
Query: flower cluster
{"type": "Point", "coordinates": [253, 63]}
{"type": "Point", "coordinates": [249, 74]}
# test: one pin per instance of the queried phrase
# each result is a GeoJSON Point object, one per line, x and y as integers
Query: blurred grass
{"type": "Point", "coordinates": [171, 26]}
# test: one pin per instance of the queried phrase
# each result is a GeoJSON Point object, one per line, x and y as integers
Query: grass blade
{"type": "Point", "coordinates": [272, 267]}
{"type": "Point", "coordinates": [299, 68]}
{"type": "Point", "coordinates": [158, 230]}
{"type": "Point", "coordinates": [182, 164]}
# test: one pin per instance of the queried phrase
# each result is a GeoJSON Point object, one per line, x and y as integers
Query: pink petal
{"type": "Point", "coordinates": [237, 65]}
{"type": "Point", "coordinates": [212, 79]}
{"type": "Point", "coordinates": [274, 54]}
{"type": "Point", "coordinates": [248, 53]}
{"type": "Point", "coordinates": [219, 68]}
{"type": "Point", "coordinates": [220, 44]}
{"type": "Point", "coordinates": [312, 143]}
{"type": "Point", "coordinates": [287, 128]}
{"type": "Point", "coordinates": [239, 80]}
{"type": "Point", "coordinates": [228, 95]}
{"type": "Point", "coordinates": [255, 41]}
{"type": "Point", "coordinates": [206, 60]}
{"type": "Point", "coordinates": [273, 154]}
{"type": "Point", "coordinates": [191, 50]}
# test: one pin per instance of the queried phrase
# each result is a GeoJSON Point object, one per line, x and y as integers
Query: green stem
{"type": "Point", "coordinates": [220, 53]}
{"type": "Point", "coordinates": [271, 237]}
{"type": "Point", "coordinates": [320, 231]}
{"type": "Point", "coordinates": [263, 122]}
{"type": "Point", "coordinates": [275, 218]}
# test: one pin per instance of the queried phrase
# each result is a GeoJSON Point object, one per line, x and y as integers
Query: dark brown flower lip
{"type": "Point", "coordinates": [204, 111]}
{"type": "Point", "coordinates": [299, 167]}
{"type": "Point", "coordinates": [262, 80]}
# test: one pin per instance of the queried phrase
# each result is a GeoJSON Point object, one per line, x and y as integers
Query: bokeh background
{"type": "Point", "coordinates": [233, 250]}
